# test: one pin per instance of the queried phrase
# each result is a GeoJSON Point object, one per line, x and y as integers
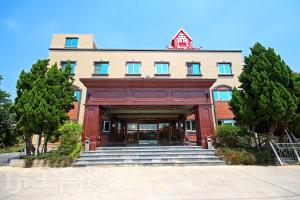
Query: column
{"type": "Point", "coordinates": [91, 123]}
{"type": "Point", "coordinates": [205, 124]}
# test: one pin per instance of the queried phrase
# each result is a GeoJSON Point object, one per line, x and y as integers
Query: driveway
{"type": "Point", "coordinates": [6, 157]}
{"type": "Point", "coordinates": [139, 183]}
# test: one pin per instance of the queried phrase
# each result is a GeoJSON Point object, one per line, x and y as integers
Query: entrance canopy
{"type": "Point", "coordinates": [146, 113]}
{"type": "Point", "coordinates": [147, 99]}
{"type": "Point", "coordinates": [147, 91]}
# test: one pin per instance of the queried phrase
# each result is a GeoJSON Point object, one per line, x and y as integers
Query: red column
{"type": "Point", "coordinates": [205, 124]}
{"type": "Point", "coordinates": [92, 117]}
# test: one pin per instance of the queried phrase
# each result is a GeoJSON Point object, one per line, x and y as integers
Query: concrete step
{"type": "Point", "coordinates": [151, 163]}
{"type": "Point", "coordinates": [149, 156]}
{"type": "Point", "coordinates": [146, 154]}
{"type": "Point", "coordinates": [138, 158]}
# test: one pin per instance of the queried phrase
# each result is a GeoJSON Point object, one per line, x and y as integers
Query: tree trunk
{"type": "Point", "coordinates": [271, 131]}
{"type": "Point", "coordinates": [28, 144]}
{"type": "Point", "coordinates": [45, 145]}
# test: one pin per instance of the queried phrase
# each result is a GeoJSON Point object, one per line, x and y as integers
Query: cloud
{"type": "Point", "coordinates": [10, 23]}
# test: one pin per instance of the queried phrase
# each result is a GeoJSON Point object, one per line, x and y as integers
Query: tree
{"type": "Point", "coordinates": [7, 134]}
{"type": "Point", "coordinates": [44, 96]}
{"type": "Point", "coordinates": [268, 94]}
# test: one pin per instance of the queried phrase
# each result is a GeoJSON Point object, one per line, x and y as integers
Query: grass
{"type": "Point", "coordinates": [11, 149]}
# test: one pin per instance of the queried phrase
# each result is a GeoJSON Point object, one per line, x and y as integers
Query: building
{"type": "Point", "coordinates": [152, 96]}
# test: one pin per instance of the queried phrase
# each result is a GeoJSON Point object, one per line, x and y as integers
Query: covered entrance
{"type": "Point", "coordinates": [146, 111]}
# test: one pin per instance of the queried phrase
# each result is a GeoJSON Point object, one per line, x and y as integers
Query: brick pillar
{"type": "Point", "coordinates": [91, 124]}
{"type": "Point", "coordinates": [205, 124]}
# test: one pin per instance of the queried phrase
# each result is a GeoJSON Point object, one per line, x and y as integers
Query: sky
{"type": "Point", "coordinates": [26, 27]}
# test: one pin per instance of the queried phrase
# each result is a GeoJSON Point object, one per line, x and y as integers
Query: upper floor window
{"type": "Point", "coordinates": [161, 68]}
{"type": "Point", "coordinates": [71, 42]}
{"type": "Point", "coordinates": [77, 95]}
{"type": "Point", "coordinates": [226, 122]}
{"type": "Point", "coordinates": [222, 95]}
{"type": "Point", "coordinates": [101, 68]}
{"type": "Point", "coordinates": [72, 64]}
{"type": "Point", "coordinates": [133, 68]}
{"type": "Point", "coordinates": [224, 69]}
{"type": "Point", "coordinates": [193, 69]}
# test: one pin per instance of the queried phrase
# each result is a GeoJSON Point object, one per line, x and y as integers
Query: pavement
{"type": "Point", "coordinates": [147, 183]}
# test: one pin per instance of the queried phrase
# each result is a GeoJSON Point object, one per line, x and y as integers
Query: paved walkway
{"type": "Point", "coordinates": [143, 183]}
{"type": "Point", "coordinates": [6, 157]}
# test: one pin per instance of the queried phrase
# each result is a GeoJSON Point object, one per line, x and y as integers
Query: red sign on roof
{"type": "Point", "coordinates": [181, 40]}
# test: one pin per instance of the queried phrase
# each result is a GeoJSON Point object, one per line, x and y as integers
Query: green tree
{"type": "Point", "coordinates": [44, 96]}
{"type": "Point", "coordinates": [268, 92]}
{"type": "Point", "coordinates": [7, 134]}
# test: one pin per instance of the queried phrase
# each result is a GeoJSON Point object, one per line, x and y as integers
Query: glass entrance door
{"type": "Point", "coordinates": [148, 133]}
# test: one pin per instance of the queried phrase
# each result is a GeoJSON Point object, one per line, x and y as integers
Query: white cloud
{"type": "Point", "coordinates": [10, 23]}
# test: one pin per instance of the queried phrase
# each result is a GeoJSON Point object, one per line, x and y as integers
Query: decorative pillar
{"type": "Point", "coordinates": [205, 124]}
{"type": "Point", "coordinates": [91, 123]}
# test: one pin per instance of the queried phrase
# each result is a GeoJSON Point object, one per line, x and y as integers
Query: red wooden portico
{"type": "Point", "coordinates": [104, 94]}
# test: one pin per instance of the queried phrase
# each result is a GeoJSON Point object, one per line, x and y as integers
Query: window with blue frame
{"type": "Point", "coordinates": [77, 95]}
{"type": "Point", "coordinates": [72, 65]}
{"type": "Point", "coordinates": [222, 95]}
{"type": "Point", "coordinates": [224, 69]}
{"type": "Point", "coordinates": [133, 68]}
{"type": "Point", "coordinates": [101, 68]}
{"type": "Point", "coordinates": [161, 68]}
{"type": "Point", "coordinates": [71, 42]}
{"type": "Point", "coordinates": [193, 69]}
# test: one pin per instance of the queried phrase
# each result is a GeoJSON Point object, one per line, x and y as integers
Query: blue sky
{"type": "Point", "coordinates": [26, 27]}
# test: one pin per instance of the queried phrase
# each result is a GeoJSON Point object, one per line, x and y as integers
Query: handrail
{"type": "Point", "coordinates": [276, 154]}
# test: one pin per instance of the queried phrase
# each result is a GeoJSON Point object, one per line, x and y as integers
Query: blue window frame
{"type": "Point", "coordinates": [133, 68]}
{"type": "Point", "coordinates": [72, 64]}
{"type": "Point", "coordinates": [101, 68]}
{"type": "Point", "coordinates": [224, 69]}
{"type": "Point", "coordinates": [162, 68]}
{"type": "Point", "coordinates": [193, 68]}
{"type": "Point", "coordinates": [222, 95]}
{"type": "Point", "coordinates": [71, 42]}
{"type": "Point", "coordinates": [77, 95]}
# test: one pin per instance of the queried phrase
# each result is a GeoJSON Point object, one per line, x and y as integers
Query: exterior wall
{"type": "Point", "coordinates": [222, 110]}
{"type": "Point", "coordinates": [117, 62]}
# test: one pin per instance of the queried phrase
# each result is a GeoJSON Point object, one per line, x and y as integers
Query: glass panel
{"type": "Point", "coordinates": [224, 68]}
{"type": "Point", "coordinates": [98, 68]}
{"type": "Point", "coordinates": [133, 68]}
{"type": "Point", "coordinates": [162, 68]}
{"type": "Point", "coordinates": [147, 126]}
{"type": "Point", "coordinates": [216, 95]}
{"type": "Point", "coordinates": [228, 122]}
{"type": "Point", "coordinates": [132, 126]}
{"type": "Point", "coordinates": [190, 69]}
{"type": "Point", "coordinates": [104, 68]}
{"type": "Point", "coordinates": [223, 95]}
{"type": "Point", "coordinates": [196, 69]}
{"type": "Point", "coordinates": [77, 95]}
{"type": "Point", "coordinates": [72, 65]}
{"type": "Point", "coordinates": [71, 42]}
{"type": "Point", "coordinates": [193, 125]}
{"type": "Point", "coordinates": [188, 125]}
{"type": "Point", "coordinates": [106, 126]}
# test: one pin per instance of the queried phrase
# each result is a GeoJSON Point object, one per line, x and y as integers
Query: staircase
{"type": "Point", "coordinates": [149, 156]}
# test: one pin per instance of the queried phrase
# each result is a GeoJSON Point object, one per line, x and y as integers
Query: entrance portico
{"type": "Point", "coordinates": [143, 103]}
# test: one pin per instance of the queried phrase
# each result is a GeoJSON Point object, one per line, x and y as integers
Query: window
{"type": "Point", "coordinates": [222, 95]}
{"type": "Point", "coordinates": [162, 68]}
{"type": "Point", "coordinates": [77, 95]}
{"type": "Point", "coordinates": [101, 68]}
{"type": "Point", "coordinates": [72, 64]}
{"type": "Point", "coordinates": [133, 68]}
{"type": "Point", "coordinates": [105, 126]}
{"type": "Point", "coordinates": [193, 69]}
{"type": "Point", "coordinates": [224, 69]}
{"type": "Point", "coordinates": [226, 122]}
{"type": "Point", "coordinates": [190, 125]}
{"type": "Point", "coordinates": [71, 42]}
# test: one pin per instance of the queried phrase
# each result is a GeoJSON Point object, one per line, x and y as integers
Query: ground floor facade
{"type": "Point", "coordinates": [147, 111]}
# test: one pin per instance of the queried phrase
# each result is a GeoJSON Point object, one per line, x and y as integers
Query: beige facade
{"type": "Point", "coordinates": [86, 54]}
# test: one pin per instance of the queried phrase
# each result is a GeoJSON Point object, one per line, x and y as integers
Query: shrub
{"type": "Point", "coordinates": [231, 136]}
{"type": "Point", "coordinates": [70, 143]}
{"type": "Point", "coordinates": [237, 156]}
{"type": "Point", "coordinates": [265, 157]}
